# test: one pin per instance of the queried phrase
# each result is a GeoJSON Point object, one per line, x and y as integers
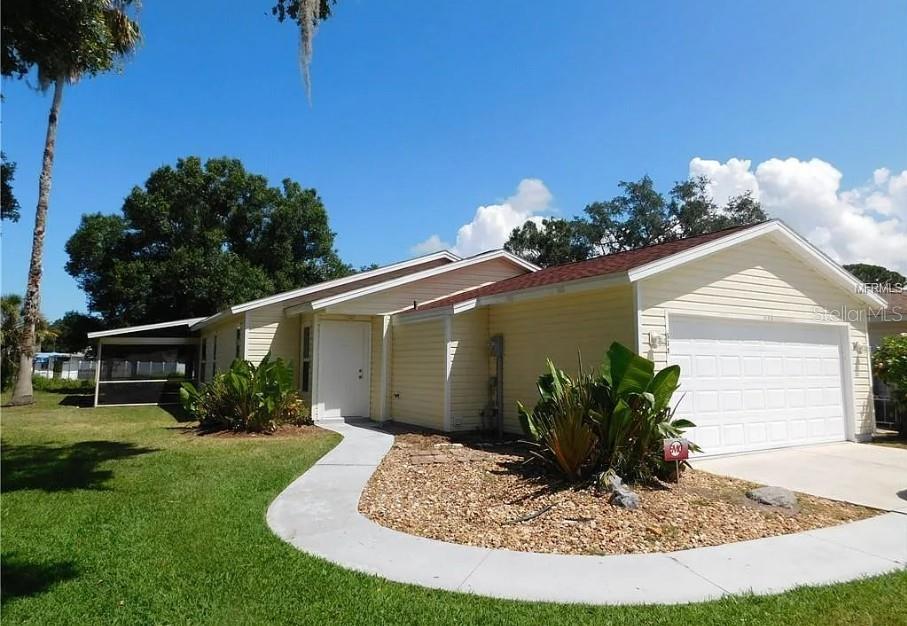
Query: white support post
{"type": "Point", "coordinates": [97, 372]}
{"type": "Point", "coordinates": [315, 360]}
{"type": "Point", "coordinates": [384, 388]}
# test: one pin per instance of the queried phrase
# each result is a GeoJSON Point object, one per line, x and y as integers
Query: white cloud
{"type": "Point", "coordinates": [730, 179]}
{"type": "Point", "coordinates": [864, 224]}
{"type": "Point", "coordinates": [491, 225]}
{"type": "Point", "coordinates": [432, 244]}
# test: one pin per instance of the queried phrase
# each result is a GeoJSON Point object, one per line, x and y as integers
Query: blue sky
{"type": "Point", "coordinates": [425, 111]}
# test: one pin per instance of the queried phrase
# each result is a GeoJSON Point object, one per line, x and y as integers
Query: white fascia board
{"type": "Point", "coordinates": [417, 276]}
{"type": "Point", "coordinates": [338, 282]}
{"type": "Point", "coordinates": [544, 291]}
{"type": "Point", "coordinates": [466, 305]}
{"type": "Point", "coordinates": [784, 234]}
{"type": "Point", "coordinates": [135, 329]}
{"type": "Point", "coordinates": [213, 319]}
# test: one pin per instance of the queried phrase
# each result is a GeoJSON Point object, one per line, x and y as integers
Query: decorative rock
{"type": "Point", "coordinates": [428, 459]}
{"type": "Point", "coordinates": [620, 494]}
{"type": "Point", "coordinates": [773, 496]}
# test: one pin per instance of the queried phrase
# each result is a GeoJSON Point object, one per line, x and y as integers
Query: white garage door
{"type": "Point", "coordinates": [756, 385]}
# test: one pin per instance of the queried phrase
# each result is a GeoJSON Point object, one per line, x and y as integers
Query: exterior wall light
{"type": "Point", "coordinates": [658, 340]}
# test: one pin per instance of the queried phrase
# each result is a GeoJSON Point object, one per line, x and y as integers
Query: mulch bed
{"type": "Point", "coordinates": [486, 495]}
{"type": "Point", "coordinates": [282, 432]}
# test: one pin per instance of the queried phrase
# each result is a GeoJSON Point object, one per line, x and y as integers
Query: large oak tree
{"type": "Point", "coordinates": [198, 237]}
{"type": "Point", "coordinates": [639, 216]}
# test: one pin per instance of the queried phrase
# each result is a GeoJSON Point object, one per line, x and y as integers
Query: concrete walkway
{"type": "Point", "coordinates": [318, 514]}
{"type": "Point", "coordinates": [859, 473]}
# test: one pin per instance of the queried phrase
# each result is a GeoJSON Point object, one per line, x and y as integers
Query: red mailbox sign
{"type": "Point", "coordinates": [676, 449]}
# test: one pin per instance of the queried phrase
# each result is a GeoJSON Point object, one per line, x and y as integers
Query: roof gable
{"type": "Point", "coordinates": [634, 265]}
{"type": "Point", "coordinates": [339, 285]}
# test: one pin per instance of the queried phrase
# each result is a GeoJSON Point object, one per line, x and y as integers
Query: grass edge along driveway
{"type": "Point", "coordinates": [117, 515]}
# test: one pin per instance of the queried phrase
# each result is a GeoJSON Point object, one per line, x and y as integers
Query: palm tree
{"type": "Point", "coordinates": [64, 40]}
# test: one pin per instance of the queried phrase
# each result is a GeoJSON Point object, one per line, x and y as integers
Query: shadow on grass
{"type": "Point", "coordinates": [61, 468]}
{"type": "Point", "coordinates": [177, 412]}
{"type": "Point", "coordinates": [81, 400]}
{"type": "Point", "coordinates": [22, 579]}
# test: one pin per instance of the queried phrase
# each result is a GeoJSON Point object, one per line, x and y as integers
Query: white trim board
{"type": "Point", "coordinates": [136, 329]}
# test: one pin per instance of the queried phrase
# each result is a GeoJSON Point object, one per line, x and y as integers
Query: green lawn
{"type": "Point", "coordinates": [118, 516]}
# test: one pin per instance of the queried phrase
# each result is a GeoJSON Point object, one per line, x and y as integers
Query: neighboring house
{"type": "Point", "coordinates": [884, 322]}
{"type": "Point", "coordinates": [890, 319]}
{"type": "Point", "coordinates": [63, 365]}
{"type": "Point", "coordinates": [771, 336]}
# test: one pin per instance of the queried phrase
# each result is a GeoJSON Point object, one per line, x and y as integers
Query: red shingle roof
{"type": "Point", "coordinates": [599, 266]}
{"type": "Point", "coordinates": [896, 310]}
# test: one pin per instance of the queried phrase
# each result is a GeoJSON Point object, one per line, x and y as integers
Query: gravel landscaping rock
{"type": "Point", "coordinates": [774, 496]}
{"type": "Point", "coordinates": [490, 496]}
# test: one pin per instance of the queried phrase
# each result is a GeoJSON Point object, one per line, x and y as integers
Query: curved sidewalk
{"type": "Point", "coordinates": [318, 513]}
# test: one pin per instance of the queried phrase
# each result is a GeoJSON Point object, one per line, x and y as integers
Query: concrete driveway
{"type": "Point", "coordinates": [860, 473]}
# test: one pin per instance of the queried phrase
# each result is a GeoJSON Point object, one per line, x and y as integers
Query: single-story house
{"type": "Point", "coordinates": [771, 336]}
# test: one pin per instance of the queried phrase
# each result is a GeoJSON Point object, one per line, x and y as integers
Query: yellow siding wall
{"type": "Point", "coordinates": [269, 330]}
{"type": "Point", "coordinates": [224, 334]}
{"type": "Point", "coordinates": [419, 369]}
{"type": "Point", "coordinates": [758, 279]}
{"type": "Point", "coordinates": [557, 327]}
{"type": "Point", "coordinates": [468, 354]}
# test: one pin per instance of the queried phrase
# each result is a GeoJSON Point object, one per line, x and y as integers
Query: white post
{"type": "Point", "coordinates": [97, 372]}
{"type": "Point", "coordinates": [386, 342]}
{"type": "Point", "coordinates": [316, 358]}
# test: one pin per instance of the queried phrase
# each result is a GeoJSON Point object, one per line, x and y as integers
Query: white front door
{"type": "Point", "coordinates": [343, 369]}
{"type": "Point", "coordinates": [757, 385]}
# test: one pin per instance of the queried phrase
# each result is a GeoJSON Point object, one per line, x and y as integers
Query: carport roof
{"type": "Point", "coordinates": [129, 330]}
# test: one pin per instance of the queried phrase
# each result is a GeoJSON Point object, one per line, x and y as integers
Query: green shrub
{"type": "Point", "coordinates": [559, 422]}
{"type": "Point", "coordinates": [247, 398]}
{"type": "Point", "coordinates": [613, 419]}
{"type": "Point", "coordinates": [61, 385]}
{"type": "Point", "coordinates": [889, 364]}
